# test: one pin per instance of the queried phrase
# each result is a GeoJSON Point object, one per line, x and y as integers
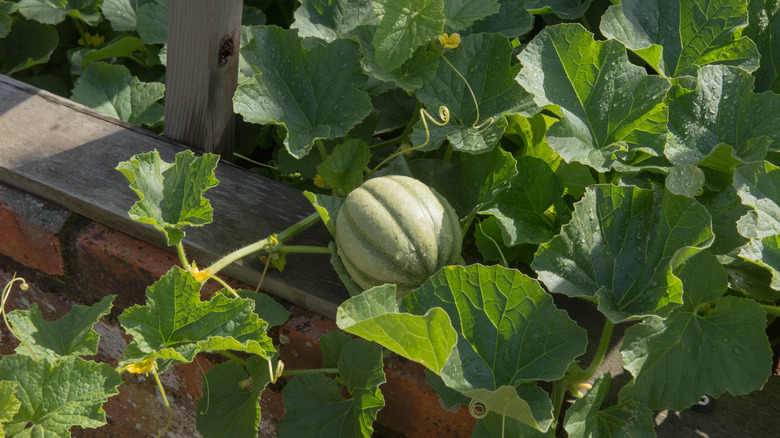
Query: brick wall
{"type": "Point", "coordinates": [68, 259]}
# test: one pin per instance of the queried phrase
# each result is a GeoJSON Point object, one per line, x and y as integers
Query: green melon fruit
{"type": "Point", "coordinates": [395, 229]}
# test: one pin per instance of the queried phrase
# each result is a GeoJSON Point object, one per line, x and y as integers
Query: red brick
{"type": "Point", "coordinates": [112, 262]}
{"type": "Point", "coordinates": [412, 407]}
{"type": "Point", "coordinates": [300, 339]}
{"type": "Point", "coordinates": [31, 230]}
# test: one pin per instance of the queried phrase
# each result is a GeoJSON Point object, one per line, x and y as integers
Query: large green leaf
{"type": "Point", "coordinates": [315, 407]}
{"type": "Point", "coordinates": [764, 29]}
{"type": "Point", "coordinates": [509, 329]}
{"type": "Point", "coordinates": [375, 315]}
{"type": "Point", "coordinates": [312, 93]}
{"type": "Point", "coordinates": [122, 47]}
{"type": "Point", "coordinates": [484, 62]}
{"type": "Point", "coordinates": [495, 425]}
{"type": "Point", "coordinates": [629, 419]}
{"type": "Point", "coordinates": [509, 332]}
{"type": "Point", "coordinates": [611, 108]}
{"type": "Point", "coordinates": [566, 9]}
{"type": "Point", "coordinates": [522, 209]}
{"type": "Point", "coordinates": [512, 20]}
{"type": "Point", "coordinates": [621, 247]}
{"type": "Point", "coordinates": [676, 37]}
{"type": "Point", "coordinates": [152, 20]}
{"type": "Point", "coordinates": [5, 28]}
{"type": "Point", "coordinates": [70, 335]}
{"type": "Point", "coordinates": [462, 13]}
{"type": "Point", "coordinates": [27, 44]}
{"type": "Point", "coordinates": [176, 324]}
{"type": "Point", "coordinates": [230, 406]}
{"type": "Point", "coordinates": [122, 14]}
{"type": "Point", "coordinates": [709, 345]}
{"type": "Point", "coordinates": [726, 208]}
{"type": "Point", "coordinates": [266, 308]}
{"type": "Point", "coordinates": [45, 11]}
{"type": "Point", "coordinates": [113, 90]}
{"type": "Point", "coordinates": [405, 25]}
{"type": "Point", "coordinates": [9, 404]}
{"type": "Point", "coordinates": [332, 19]}
{"type": "Point", "coordinates": [721, 110]}
{"type": "Point", "coordinates": [56, 395]}
{"type": "Point", "coordinates": [411, 75]}
{"type": "Point", "coordinates": [342, 170]}
{"type": "Point", "coordinates": [468, 181]}
{"type": "Point", "coordinates": [171, 193]}
{"type": "Point", "coordinates": [758, 185]}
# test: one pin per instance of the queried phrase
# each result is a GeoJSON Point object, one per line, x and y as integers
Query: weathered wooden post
{"type": "Point", "coordinates": [202, 72]}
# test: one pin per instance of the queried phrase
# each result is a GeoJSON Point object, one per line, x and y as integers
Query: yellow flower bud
{"type": "Point", "coordinates": [142, 367]}
{"type": "Point", "coordinates": [449, 41]}
{"type": "Point", "coordinates": [319, 181]}
{"type": "Point", "coordinates": [198, 274]}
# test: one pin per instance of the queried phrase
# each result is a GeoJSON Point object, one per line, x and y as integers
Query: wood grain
{"type": "Point", "coordinates": [202, 72]}
{"type": "Point", "coordinates": [64, 152]}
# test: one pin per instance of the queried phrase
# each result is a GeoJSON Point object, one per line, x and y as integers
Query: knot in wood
{"type": "Point", "coordinates": [226, 47]}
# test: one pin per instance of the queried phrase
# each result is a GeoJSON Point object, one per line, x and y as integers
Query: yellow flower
{"type": "Point", "coordinates": [406, 149]}
{"type": "Point", "coordinates": [91, 40]}
{"type": "Point", "coordinates": [198, 274]}
{"type": "Point", "coordinates": [449, 41]}
{"type": "Point", "coordinates": [319, 181]}
{"type": "Point", "coordinates": [142, 367]}
{"type": "Point", "coordinates": [273, 240]}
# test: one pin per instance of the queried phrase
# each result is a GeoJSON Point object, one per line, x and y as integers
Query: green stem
{"type": "Point", "coordinates": [558, 392]}
{"type": "Point", "coordinates": [601, 353]}
{"type": "Point", "coordinates": [80, 29]}
{"type": "Point", "coordinates": [233, 357]}
{"type": "Point", "coordinates": [772, 310]}
{"type": "Point", "coordinates": [165, 400]}
{"type": "Point", "coordinates": [225, 285]}
{"type": "Point", "coordinates": [256, 163]}
{"type": "Point", "coordinates": [311, 371]}
{"type": "Point", "coordinates": [448, 154]}
{"type": "Point", "coordinates": [263, 243]}
{"type": "Point", "coordinates": [561, 386]}
{"type": "Point", "coordinates": [321, 148]}
{"type": "Point", "coordinates": [3, 299]}
{"type": "Point", "coordinates": [304, 249]}
{"type": "Point", "coordinates": [387, 142]}
{"type": "Point", "coordinates": [182, 256]}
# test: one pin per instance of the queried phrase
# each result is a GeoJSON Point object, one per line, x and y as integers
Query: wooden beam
{"type": "Point", "coordinates": [65, 152]}
{"type": "Point", "coordinates": [202, 73]}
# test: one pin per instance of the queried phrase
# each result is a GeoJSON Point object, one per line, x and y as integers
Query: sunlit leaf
{"type": "Point", "coordinates": [314, 94]}
{"type": "Point", "coordinates": [710, 345]}
{"type": "Point", "coordinates": [171, 193]}
{"type": "Point", "coordinates": [676, 37]}
{"type": "Point", "coordinates": [57, 394]}
{"type": "Point", "coordinates": [72, 334]}
{"type": "Point", "coordinates": [611, 108]}
{"type": "Point", "coordinates": [175, 324]}
{"type": "Point", "coordinates": [621, 247]}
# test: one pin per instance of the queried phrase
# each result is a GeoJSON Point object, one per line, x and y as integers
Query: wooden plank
{"type": "Point", "coordinates": [65, 152]}
{"type": "Point", "coordinates": [202, 73]}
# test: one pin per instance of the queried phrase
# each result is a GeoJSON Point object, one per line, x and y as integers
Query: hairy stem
{"type": "Point", "coordinates": [311, 371]}
{"type": "Point", "coordinates": [263, 243]}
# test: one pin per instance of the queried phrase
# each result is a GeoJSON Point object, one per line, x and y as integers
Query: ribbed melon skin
{"type": "Point", "coordinates": [395, 229]}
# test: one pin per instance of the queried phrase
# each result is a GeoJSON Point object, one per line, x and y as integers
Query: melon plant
{"type": "Point", "coordinates": [395, 229]}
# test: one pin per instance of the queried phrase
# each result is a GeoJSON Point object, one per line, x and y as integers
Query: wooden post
{"type": "Point", "coordinates": [202, 73]}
